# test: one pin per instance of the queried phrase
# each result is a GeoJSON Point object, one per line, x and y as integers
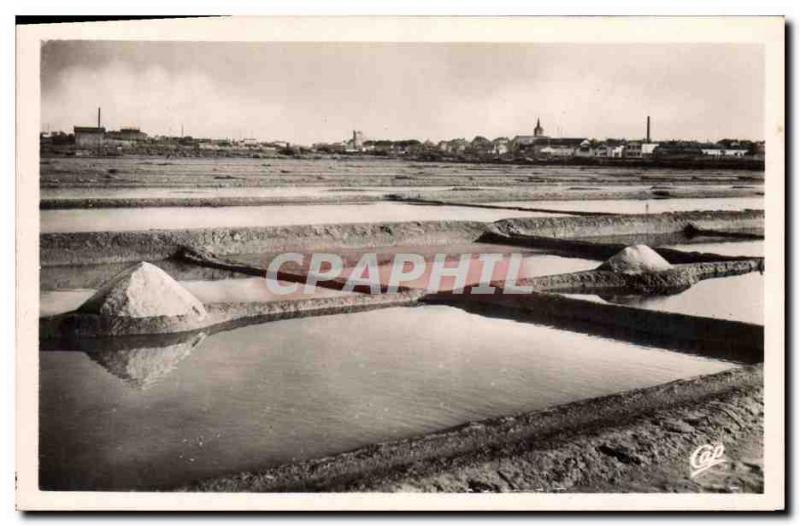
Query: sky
{"type": "Point", "coordinates": [319, 92]}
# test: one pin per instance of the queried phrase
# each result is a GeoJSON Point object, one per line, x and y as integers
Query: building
{"type": "Point", "coordinates": [560, 147]}
{"type": "Point", "coordinates": [632, 150]}
{"type": "Point", "coordinates": [501, 146]}
{"type": "Point", "coordinates": [732, 148]}
{"type": "Point", "coordinates": [610, 148]}
{"type": "Point", "coordinates": [129, 134]}
{"type": "Point", "coordinates": [89, 136]}
{"type": "Point", "coordinates": [716, 150]}
{"type": "Point", "coordinates": [125, 136]}
{"type": "Point", "coordinates": [678, 150]}
{"type": "Point", "coordinates": [208, 144]}
{"type": "Point", "coordinates": [734, 152]}
{"type": "Point", "coordinates": [759, 151]}
{"type": "Point", "coordinates": [481, 146]}
{"type": "Point", "coordinates": [711, 149]}
{"type": "Point", "coordinates": [536, 144]}
{"type": "Point", "coordinates": [586, 148]}
{"type": "Point", "coordinates": [356, 143]}
{"type": "Point", "coordinates": [538, 131]}
{"type": "Point", "coordinates": [358, 140]}
{"type": "Point", "coordinates": [648, 148]}
{"type": "Point", "coordinates": [457, 146]}
{"type": "Point", "coordinates": [523, 142]}
{"type": "Point", "coordinates": [333, 147]}
{"type": "Point", "coordinates": [406, 146]}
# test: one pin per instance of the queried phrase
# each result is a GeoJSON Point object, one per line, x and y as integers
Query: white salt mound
{"type": "Point", "coordinates": [636, 259]}
{"type": "Point", "coordinates": [143, 291]}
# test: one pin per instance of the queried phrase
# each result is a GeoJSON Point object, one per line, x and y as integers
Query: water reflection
{"type": "Point", "coordinates": [141, 368]}
{"type": "Point", "coordinates": [139, 361]}
{"type": "Point", "coordinates": [636, 300]}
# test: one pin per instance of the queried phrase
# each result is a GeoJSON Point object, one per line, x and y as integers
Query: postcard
{"type": "Point", "coordinates": [413, 263]}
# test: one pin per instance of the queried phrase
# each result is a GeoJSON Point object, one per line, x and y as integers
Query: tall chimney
{"type": "Point", "coordinates": [98, 116]}
{"type": "Point", "coordinates": [648, 128]}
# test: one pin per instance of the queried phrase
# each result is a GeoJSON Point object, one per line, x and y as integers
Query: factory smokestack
{"type": "Point", "coordinates": [648, 128]}
{"type": "Point", "coordinates": [98, 117]}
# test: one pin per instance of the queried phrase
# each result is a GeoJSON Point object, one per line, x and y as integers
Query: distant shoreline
{"type": "Point", "coordinates": [690, 163]}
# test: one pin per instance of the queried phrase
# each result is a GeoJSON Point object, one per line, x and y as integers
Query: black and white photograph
{"type": "Point", "coordinates": [426, 266]}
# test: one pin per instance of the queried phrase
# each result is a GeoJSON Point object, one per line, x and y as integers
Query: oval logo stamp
{"type": "Point", "coordinates": [706, 457]}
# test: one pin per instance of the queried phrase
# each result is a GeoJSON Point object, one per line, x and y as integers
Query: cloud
{"type": "Point", "coordinates": [308, 92]}
{"type": "Point", "coordinates": [152, 99]}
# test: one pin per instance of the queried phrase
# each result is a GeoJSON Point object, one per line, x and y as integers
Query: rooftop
{"type": "Point", "coordinates": [89, 129]}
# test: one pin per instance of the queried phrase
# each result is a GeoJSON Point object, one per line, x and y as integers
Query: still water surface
{"type": "Point", "coordinates": [651, 206]}
{"type": "Point", "coordinates": [267, 394]}
{"type": "Point", "coordinates": [171, 218]}
{"type": "Point", "coordinates": [753, 248]}
{"type": "Point", "coordinates": [244, 191]}
{"type": "Point", "coordinates": [738, 298]}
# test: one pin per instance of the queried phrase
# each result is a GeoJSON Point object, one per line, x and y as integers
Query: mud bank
{"type": "Point", "coordinates": [204, 258]}
{"type": "Point", "coordinates": [219, 316]}
{"type": "Point", "coordinates": [501, 195]}
{"type": "Point", "coordinates": [131, 172]}
{"type": "Point", "coordinates": [150, 202]}
{"type": "Point", "coordinates": [602, 443]}
{"type": "Point", "coordinates": [695, 163]}
{"type": "Point", "coordinates": [422, 201]}
{"type": "Point", "coordinates": [714, 338]}
{"type": "Point", "coordinates": [608, 225]}
{"type": "Point", "coordinates": [600, 251]}
{"type": "Point", "coordinates": [685, 237]}
{"type": "Point", "coordinates": [114, 247]}
{"type": "Point", "coordinates": [460, 197]}
{"type": "Point", "coordinates": [673, 280]}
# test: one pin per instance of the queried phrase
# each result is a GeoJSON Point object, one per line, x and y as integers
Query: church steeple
{"type": "Point", "coordinates": [538, 131]}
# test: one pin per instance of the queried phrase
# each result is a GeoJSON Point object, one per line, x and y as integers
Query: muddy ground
{"type": "Point", "coordinates": [134, 171]}
{"type": "Point", "coordinates": [451, 197]}
{"type": "Point", "coordinates": [72, 248]}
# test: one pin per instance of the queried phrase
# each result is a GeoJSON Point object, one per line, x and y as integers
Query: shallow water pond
{"type": "Point", "coordinates": [243, 191]}
{"type": "Point", "coordinates": [159, 415]}
{"type": "Point", "coordinates": [173, 218]}
{"type": "Point", "coordinates": [645, 206]}
{"type": "Point", "coordinates": [531, 266]}
{"type": "Point", "coordinates": [738, 298]}
{"type": "Point", "coordinates": [753, 248]}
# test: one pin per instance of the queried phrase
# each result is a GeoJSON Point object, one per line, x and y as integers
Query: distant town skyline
{"type": "Point", "coordinates": [319, 92]}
